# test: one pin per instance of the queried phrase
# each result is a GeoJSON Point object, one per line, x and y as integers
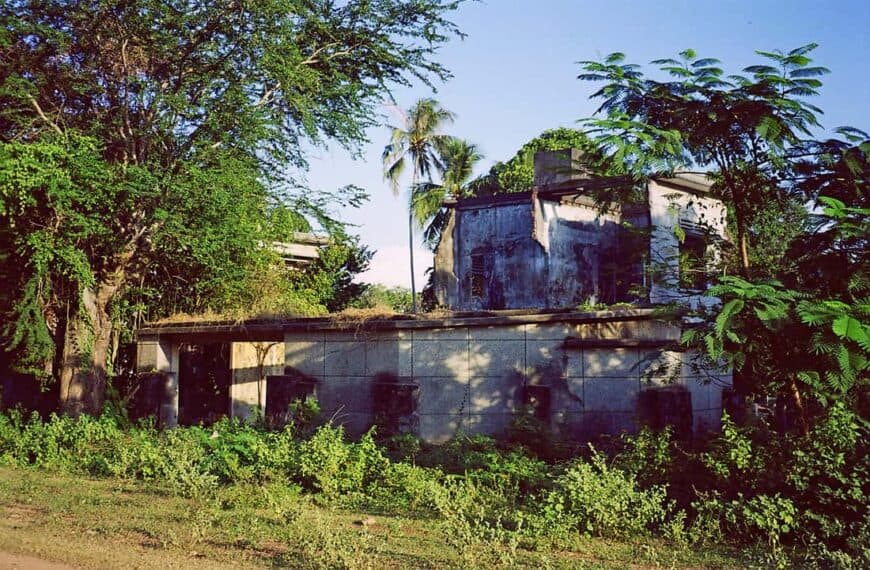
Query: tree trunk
{"type": "Point", "coordinates": [411, 252]}
{"type": "Point", "coordinates": [742, 241]}
{"type": "Point", "coordinates": [798, 402]}
{"type": "Point", "coordinates": [742, 379]}
{"type": "Point", "coordinates": [411, 235]}
{"type": "Point", "coordinates": [86, 348]}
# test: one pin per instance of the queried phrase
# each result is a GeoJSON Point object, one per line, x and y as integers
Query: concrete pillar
{"type": "Point", "coordinates": [156, 355]}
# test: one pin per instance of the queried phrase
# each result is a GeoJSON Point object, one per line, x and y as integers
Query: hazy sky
{"type": "Point", "coordinates": [515, 76]}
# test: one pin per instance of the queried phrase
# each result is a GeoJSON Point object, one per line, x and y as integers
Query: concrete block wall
{"type": "Point", "coordinates": [471, 378]}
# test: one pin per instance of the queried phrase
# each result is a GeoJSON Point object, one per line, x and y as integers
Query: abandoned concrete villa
{"type": "Point", "coordinates": [514, 271]}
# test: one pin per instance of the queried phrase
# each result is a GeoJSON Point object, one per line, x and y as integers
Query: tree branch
{"type": "Point", "coordinates": [43, 116]}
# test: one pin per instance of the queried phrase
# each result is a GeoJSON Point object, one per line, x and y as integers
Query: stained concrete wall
{"type": "Point", "coordinates": [560, 251]}
{"type": "Point", "coordinates": [248, 387]}
{"type": "Point", "coordinates": [535, 254]}
{"type": "Point", "coordinates": [515, 267]}
{"type": "Point", "coordinates": [471, 378]}
{"type": "Point", "coordinates": [160, 357]}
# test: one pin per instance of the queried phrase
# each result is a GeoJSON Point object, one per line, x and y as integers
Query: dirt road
{"type": "Point", "coordinates": [21, 562]}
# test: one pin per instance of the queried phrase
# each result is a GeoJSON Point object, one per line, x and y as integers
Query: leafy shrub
{"type": "Point", "coordinates": [648, 455]}
{"type": "Point", "coordinates": [749, 484]}
{"type": "Point", "coordinates": [480, 521]}
{"type": "Point", "coordinates": [806, 490]}
{"type": "Point", "coordinates": [480, 457]}
{"type": "Point", "coordinates": [594, 499]}
{"type": "Point", "coordinates": [332, 466]}
{"type": "Point", "coordinates": [407, 488]}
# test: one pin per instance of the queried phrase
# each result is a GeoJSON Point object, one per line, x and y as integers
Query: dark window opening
{"type": "Point", "coordinates": [694, 272]}
{"type": "Point", "coordinates": [478, 275]}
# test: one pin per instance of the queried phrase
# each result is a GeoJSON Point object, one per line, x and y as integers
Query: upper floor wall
{"type": "Point", "coordinates": [556, 248]}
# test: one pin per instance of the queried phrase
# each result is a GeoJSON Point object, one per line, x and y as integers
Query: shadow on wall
{"type": "Point", "coordinates": [439, 383]}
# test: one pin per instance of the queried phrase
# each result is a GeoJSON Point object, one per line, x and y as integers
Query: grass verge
{"type": "Point", "coordinates": [98, 523]}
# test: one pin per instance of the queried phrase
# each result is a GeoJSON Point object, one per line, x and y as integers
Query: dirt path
{"type": "Point", "coordinates": [20, 562]}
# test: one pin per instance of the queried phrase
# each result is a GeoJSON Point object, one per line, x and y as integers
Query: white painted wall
{"type": "Point", "coordinates": [248, 388]}
{"type": "Point", "coordinates": [668, 207]}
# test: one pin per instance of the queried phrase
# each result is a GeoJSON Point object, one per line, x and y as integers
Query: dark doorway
{"type": "Point", "coordinates": [203, 383]}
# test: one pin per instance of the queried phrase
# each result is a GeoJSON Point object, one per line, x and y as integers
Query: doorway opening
{"type": "Point", "coordinates": [203, 383]}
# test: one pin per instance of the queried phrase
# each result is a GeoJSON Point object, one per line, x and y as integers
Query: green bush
{"type": "Point", "coordinates": [405, 488]}
{"type": "Point", "coordinates": [595, 499]}
{"type": "Point", "coordinates": [802, 498]}
{"type": "Point", "coordinates": [328, 464]}
{"type": "Point", "coordinates": [648, 455]}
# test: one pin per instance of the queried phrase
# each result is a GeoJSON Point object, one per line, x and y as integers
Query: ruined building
{"type": "Point", "coordinates": [557, 247]}
{"type": "Point", "coordinates": [544, 256]}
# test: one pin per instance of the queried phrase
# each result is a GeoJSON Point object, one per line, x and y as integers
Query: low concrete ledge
{"type": "Point", "coordinates": [622, 343]}
{"type": "Point", "coordinates": [263, 330]}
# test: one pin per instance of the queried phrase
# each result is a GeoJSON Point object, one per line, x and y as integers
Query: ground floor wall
{"type": "Point", "coordinates": [581, 374]}
{"type": "Point", "coordinates": [250, 364]}
{"type": "Point", "coordinates": [583, 380]}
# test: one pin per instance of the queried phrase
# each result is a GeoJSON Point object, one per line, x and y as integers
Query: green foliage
{"type": "Point", "coordinates": [807, 489]}
{"type": "Point", "coordinates": [827, 349]}
{"type": "Point", "coordinates": [326, 463]}
{"type": "Point", "coordinates": [742, 127]}
{"type": "Point", "coordinates": [415, 144]}
{"type": "Point", "coordinates": [648, 455]}
{"type": "Point", "coordinates": [479, 522]}
{"type": "Point", "coordinates": [376, 296]}
{"type": "Point", "coordinates": [802, 496]}
{"type": "Point", "coordinates": [456, 161]}
{"type": "Point", "coordinates": [595, 499]}
{"type": "Point", "coordinates": [147, 170]}
{"type": "Point", "coordinates": [733, 457]}
{"type": "Point", "coordinates": [518, 173]}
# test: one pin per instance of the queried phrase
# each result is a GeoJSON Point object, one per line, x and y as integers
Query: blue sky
{"type": "Point", "coordinates": [515, 76]}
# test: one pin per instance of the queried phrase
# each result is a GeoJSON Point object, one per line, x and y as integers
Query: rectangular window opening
{"type": "Point", "coordinates": [478, 271]}
{"type": "Point", "coordinates": [694, 272]}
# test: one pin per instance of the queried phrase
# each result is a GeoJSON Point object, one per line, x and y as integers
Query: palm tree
{"type": "Point", "coordinates": [416, 141]}
{"type": "Point", "coordinates": [458, 159]}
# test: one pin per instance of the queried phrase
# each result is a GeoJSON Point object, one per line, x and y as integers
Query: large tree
{"type": "Point", "coordinates": [794, 323]}
{"type": "Point", "coordinates": [146, 140]}
{"type": "Point", "coordinates": [741, 127]}
{"type": "Point", "coordinates": [415, 144]}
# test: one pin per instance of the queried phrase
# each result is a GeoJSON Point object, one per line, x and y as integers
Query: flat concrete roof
{"type": "Point", "coordinates": [255, 330]}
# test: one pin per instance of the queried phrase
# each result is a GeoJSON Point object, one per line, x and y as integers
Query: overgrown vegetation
{"type": "Point", "coordinates": [150, 152]}
{"type": "Point", "coordinates": [786, 500]}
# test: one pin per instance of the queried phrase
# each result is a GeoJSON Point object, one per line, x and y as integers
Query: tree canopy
{"type": "Point", "coordinates": [457, 159]}
{"type": "Point", "coordinates": [795, 322]}
{"type": "Point", "coordinates": [145, 144]}
{"type": "Point", "coordinates": [741, 126]}
{"type": "Point", "coordinates": [518, 173]}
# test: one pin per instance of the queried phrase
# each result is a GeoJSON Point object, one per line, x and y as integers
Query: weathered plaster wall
{"type": "Point", "coordinates": [579, 238]}
{"type": "Point", "coordinates": [560, 252]}
{"type": "Point", "coordinates": [444, 278]}
{"type": "Point", "coordinates": [248, 388]}
{"type": "Point", "coordinates": [669, 208]}
{"type": "Point", "coordinates": [471, 378]}
{"type": "Point", "coordinates": [514, 266]}
{"type": "Point", "coordinates": [546, 254]}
